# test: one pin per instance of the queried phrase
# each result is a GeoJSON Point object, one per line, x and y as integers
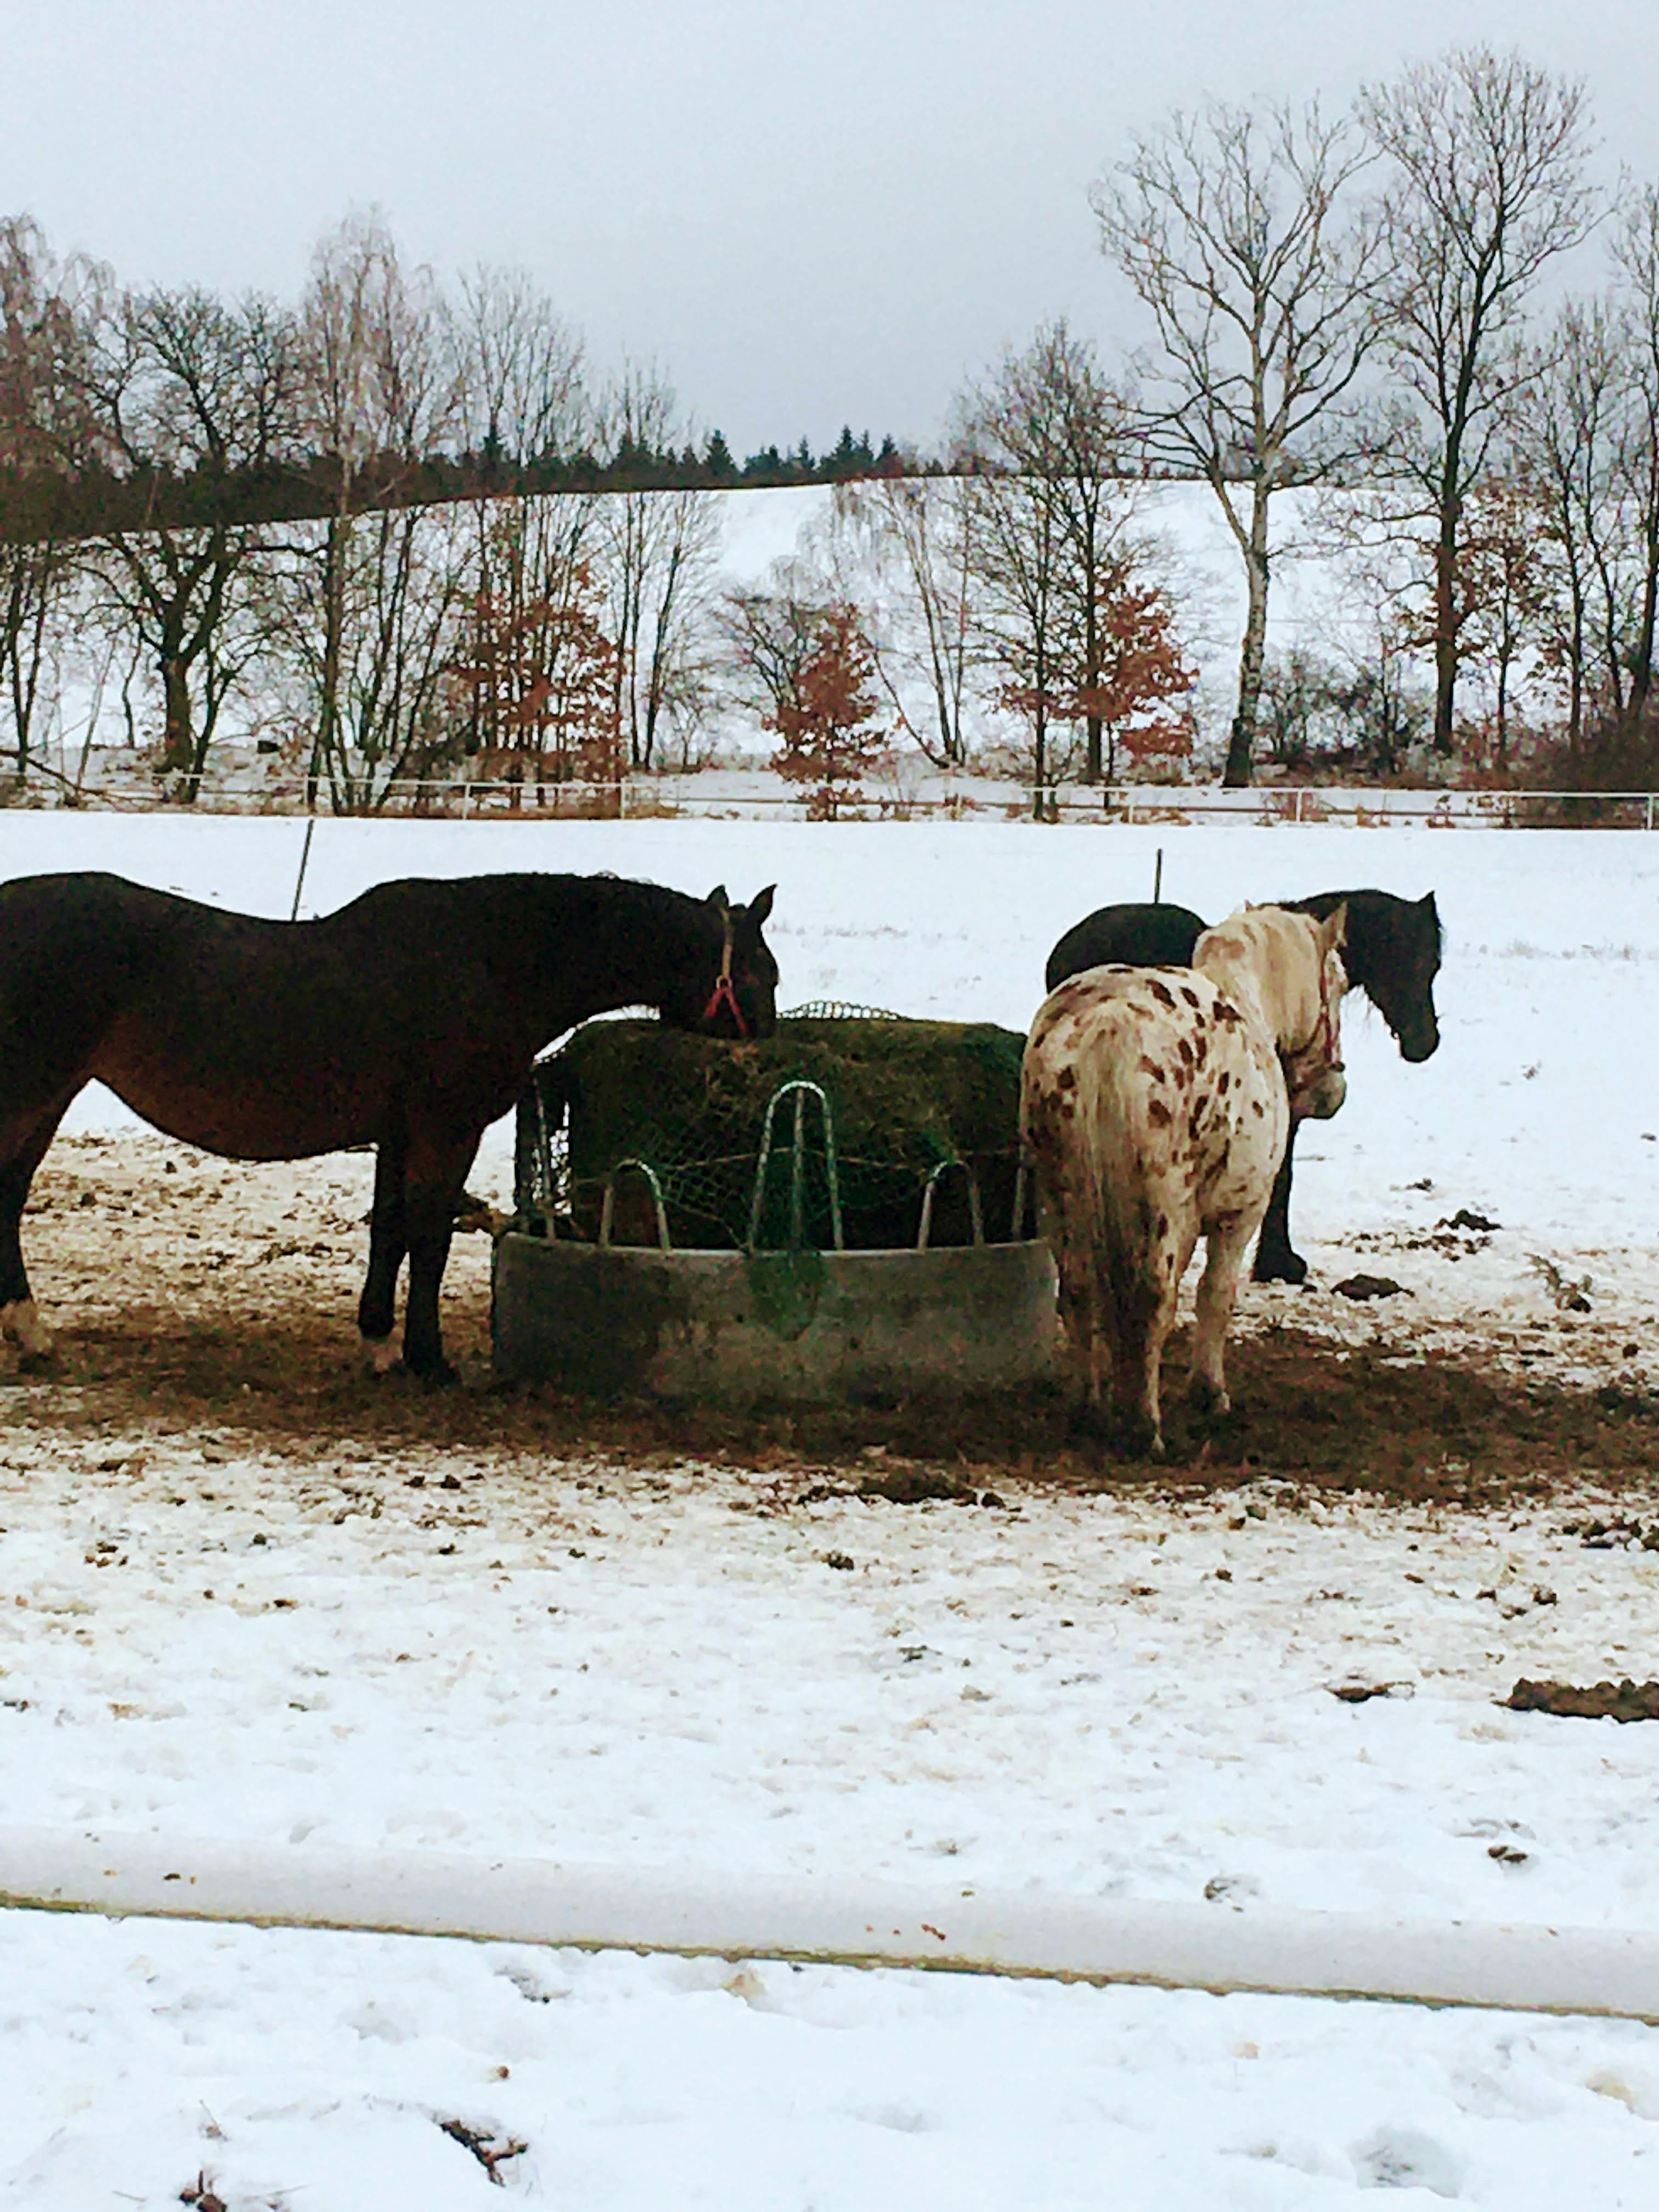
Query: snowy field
{"type": "Point", "coordinates": [1123, 1695]}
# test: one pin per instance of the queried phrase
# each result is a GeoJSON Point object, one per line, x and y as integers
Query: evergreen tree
{"type": "Point", "coordinates": [717, 458]}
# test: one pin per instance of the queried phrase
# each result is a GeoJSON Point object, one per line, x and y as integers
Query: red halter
{"type": "Point", "coordinates": [1322, 1041]}
{"type": "Point", "coordinates": [723, 994]}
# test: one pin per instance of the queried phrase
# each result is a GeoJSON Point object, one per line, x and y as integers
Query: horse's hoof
{"type": "Point", "coordinates": [440, 1376]}
{"type": "Point", "coordinates": [1286, 1266]}
{"type": "Point", "coordinates": [1207, 1399]}
{"type": "Point", "coordinates": [384, 1355]}
{"type": "Point", "coordinates": [21, 1324]}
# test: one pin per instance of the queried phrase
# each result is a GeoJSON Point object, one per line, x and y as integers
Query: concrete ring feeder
{"type": "Point", "coordinates": [812, 1219]}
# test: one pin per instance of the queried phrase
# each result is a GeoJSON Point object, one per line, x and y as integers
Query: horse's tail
{"type": "Point", "coordinates": [1090, 1125]}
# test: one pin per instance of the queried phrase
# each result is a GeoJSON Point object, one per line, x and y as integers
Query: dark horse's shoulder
{"type": "Point", "coordinates": [1133, 934]}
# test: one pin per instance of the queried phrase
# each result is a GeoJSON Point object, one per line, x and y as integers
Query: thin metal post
{"type": "Point", "coordinates": [305, 855]}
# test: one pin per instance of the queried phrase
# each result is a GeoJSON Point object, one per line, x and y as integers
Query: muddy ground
{"type": "Point", "coordinates": [197, 1297]}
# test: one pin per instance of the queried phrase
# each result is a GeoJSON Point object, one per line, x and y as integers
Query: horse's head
{"type": "Point", "coordinates": [1401, 960]}
{"type": "Point", "coordinates": [732, 990]}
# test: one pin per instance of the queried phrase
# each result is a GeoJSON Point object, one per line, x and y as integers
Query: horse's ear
{"type": "Point", "coordinates": [718, 899]}
{"type": "Point", "coordinates": [761, 905]}
{"type": "Point", "coordinates": [1334, 930]}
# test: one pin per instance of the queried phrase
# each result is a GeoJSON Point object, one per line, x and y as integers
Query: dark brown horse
{"type": "Point", "coordinates": [409, 1020]}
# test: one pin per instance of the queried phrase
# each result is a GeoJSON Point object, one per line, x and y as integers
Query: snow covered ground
{"type": "Point", "coordinates": [1127, 1695]}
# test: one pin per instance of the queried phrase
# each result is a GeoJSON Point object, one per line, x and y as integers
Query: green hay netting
{"type": "Point", "coordinates": [903, 1095]}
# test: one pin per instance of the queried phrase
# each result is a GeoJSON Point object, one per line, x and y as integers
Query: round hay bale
{"type": "Point", "coordinates": [903, 1097]}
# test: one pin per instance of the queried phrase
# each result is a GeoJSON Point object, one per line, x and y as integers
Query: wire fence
{"type": "Point", "coordinates": [635, 799]}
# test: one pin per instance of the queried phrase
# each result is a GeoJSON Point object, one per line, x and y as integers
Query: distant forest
{"type": "Point", "coordinates": [98, 497]}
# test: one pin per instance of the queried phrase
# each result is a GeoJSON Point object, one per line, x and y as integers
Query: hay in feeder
{"type": "Point", "coordinates": [903, 1097]}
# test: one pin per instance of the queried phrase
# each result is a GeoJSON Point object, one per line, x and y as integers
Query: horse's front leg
{"type": "Point", "coordinates": [1275, 1262]}
{"type": "Point", "coordinates": [388, 1241]}
{"type": "Point", "coordinates": [434, 1177]}
{"type": "Point", "coordinates": [1227, 1244]}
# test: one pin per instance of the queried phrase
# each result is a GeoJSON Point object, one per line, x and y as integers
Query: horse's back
{"type": "Point", "coordinates": [1135, 935]}
{"type": "Point", "coordinates": [1110, 1059]}
{"type": "Point", "coordinates": [1162, 1079]}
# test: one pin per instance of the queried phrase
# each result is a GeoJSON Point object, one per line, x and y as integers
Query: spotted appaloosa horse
{"type": "Point", "coordinates": [1155, 1104]}
{"type": "Point", "coordinates": [408, 1020]}
{"type": "Point", "coordinates": [1391, 952]}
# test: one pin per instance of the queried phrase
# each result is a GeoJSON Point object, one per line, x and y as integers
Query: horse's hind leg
{"type": "Point", "coordinates": [1275, 1262]}
{"type": "Point", "coordinates": [434, 1175]}
{"type": "Point", "coordinates": [19, 1323]}
{"type": "Point", "coordinates": [1217, 1291]}
{"type": "Point", "coordinates": [388, 1241]}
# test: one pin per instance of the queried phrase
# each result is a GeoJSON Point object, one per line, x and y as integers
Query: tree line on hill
{"type": "Point", "coordinates": [396, 529]}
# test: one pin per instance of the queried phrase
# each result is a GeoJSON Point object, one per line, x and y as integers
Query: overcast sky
{"type": "Point", "coordinates": [806, 215]}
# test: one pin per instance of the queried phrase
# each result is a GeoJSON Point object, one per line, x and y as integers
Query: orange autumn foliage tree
{"type": "Point", "coordinates": [1131, 676]}
{"type": "Point", "coordinates": [1140, 671]}
{"type": "Point", "coordinates": [540, 686]}
{"type": "Point", "coordinates": [826, 726]}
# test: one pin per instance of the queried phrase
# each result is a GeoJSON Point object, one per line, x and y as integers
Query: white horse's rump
{"type": "Point", "coordinates": [1155, 1105]}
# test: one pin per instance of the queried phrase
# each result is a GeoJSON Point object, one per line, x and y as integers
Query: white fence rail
{"type": "Point", "coordinates": [969, 800]}
{"type": "Point", "coordinates": [962, 1930]}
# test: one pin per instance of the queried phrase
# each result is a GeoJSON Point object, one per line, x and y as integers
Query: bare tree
{"type": "Point", "coordinates": [1018, 552]}
{"type": "Point", "coordinates": [522, 398]}
{"type": "Point", "coordinates": [1066, 611]}
{"type": "Point", "coordinates": [658, 550]}
{"type": "Point", "coordinates": [1048, 418]}
{"type": "Point", "coordinates": [523, 405]}
{"type": "Point", "coordinates": [1237, 230]}
{"type": "Point", "coordinates": [1570, 431]}
{"type": "Point", "coordinates": [39, 334]}
{"type": "Point", "coordinates": [917, 525]}
{"type": "Point", "coordinates": [373, 605]}
{"type": "Point", "coordinates": [770, 636]}
{"type": "Point", "coordinates": [182, 397]}
{"type": "Point", "coordinates": [1636, 256]}
{"type": "Point", "coordinates": [1487, 188]}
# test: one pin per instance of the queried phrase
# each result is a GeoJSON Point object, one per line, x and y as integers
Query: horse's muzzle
{"type": "Point", "coordinates": [1322, 1098]}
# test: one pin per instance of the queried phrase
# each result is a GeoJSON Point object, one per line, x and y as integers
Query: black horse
{"type": "Point", "coordinates": [1391, 952]}
{"type": "Point", "coordinates": [408, 1020]}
